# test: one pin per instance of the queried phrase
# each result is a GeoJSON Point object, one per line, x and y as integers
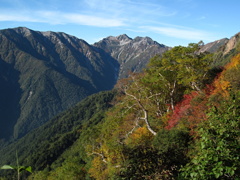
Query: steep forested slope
{"type": "Point", "coordinates": [44, 145]}
{"type": "Point", "coordinates": [46, 73]}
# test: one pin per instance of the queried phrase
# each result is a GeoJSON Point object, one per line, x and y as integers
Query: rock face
{"type": "Point", "coordinates": [132, 54]}
{"type": "Point", "coordinates": [224, 45]}
{"type": "Point", "coordinates": [232, 43]}
{"type": "Point", "coordinates": [44, 73]}
{"type": "Point", "coordinates": [214, 46]}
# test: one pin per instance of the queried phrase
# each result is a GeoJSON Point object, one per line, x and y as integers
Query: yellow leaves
{"type": "Point", "coordinates": [221, 86]}
{"type": "Point", "coordinates": [234, 62]}
{"type": "Point", "coordinates": [223, 83]}
{"type": "Point", "coordinates": [140, 136]}
{"type": "Point", "coordinates": [107, 160]}
{"type": "Point", "coordinates": [98, 169]}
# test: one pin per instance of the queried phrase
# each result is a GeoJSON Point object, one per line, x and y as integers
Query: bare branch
{"type": "Point", "coordinates": [145, 118]}
{"type": "Point", "coordinates": [103, 158]}
{"type": "Point", "coordinates": [132, 130]}
{"type": "Point", "coordinates": [101, 155]}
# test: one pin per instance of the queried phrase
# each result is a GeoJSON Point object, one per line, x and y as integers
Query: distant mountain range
{"type": "Point", "coordinates": [44, 73]}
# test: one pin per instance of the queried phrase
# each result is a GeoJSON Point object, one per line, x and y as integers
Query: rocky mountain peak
{"type": "Point", "coordinates": [123, 37]}
{"type": "Point", "coordinates": [23, 30]}
{"type": "Point", "coordinates": [132, 54]}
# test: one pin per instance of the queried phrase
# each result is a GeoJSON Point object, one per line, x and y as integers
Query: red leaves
{"type": "Point", "coordinates": [192, 109]}
{"type": "Point", "coordinates": [181, 109]}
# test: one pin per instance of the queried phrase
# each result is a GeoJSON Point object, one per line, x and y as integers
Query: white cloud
{"type": "Point", "coordinates": [180, 32]}
{"type": "Point", "coordinates": [104, 13]}
{"type": "Point", "coordinates": [18, 18]}
{"type": "Point", "coordinates": [92, 20]}
{"type": "Point", "coordinates": [54, 17]}
{"type": "Point", "coordinates": [129, 9]}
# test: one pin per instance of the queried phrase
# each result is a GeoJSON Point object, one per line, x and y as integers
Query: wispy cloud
{"type": "Point", "coordinates": [104, 13]}
{"type": "Point", "coordinates": [55, 17]}
{"type": "Point", "coordinates": [129, 9]}
{"type": "Point", "coordinates": [202, 18]}
{"type": "Point", "coordinates": [93, 20]}
{"type": "Point", "coordinates": [18, 18]}
{"type": "Point", "coordinates": [180, 32]}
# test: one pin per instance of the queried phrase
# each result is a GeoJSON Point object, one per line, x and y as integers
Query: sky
{"type": "Point", "coordinates": [169, 22]}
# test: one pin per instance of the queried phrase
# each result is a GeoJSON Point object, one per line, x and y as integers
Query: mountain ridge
{"type": "Point", "coordinates": [132, 54]}
{"type": "Point", "coordinates": [47, 63]}
{"type": "Point", "coordinates": [53, 71]}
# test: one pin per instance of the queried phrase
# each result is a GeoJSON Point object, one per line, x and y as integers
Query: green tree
{"type": "Point", "coordinates": [160, 80]}
{"type": "Point", "coordinates": [216, 153]}
{"type": "Point", "coordinates": [190, 66]}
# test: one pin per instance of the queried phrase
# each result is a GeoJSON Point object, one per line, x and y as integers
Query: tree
{"type": "Point", "coordinates": [160, 79]}
{"type": "Point", "coordinates": [142, 100]}
{"type": "Point", "coordinates": [229, 78]}
{"type": "Point", "coordinates": [190, 66]}
{"type": "Point", "coordinates": [216, 152]}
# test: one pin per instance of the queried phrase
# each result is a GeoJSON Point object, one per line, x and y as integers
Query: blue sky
{"type": "Point", "coordinates": [169, 22]}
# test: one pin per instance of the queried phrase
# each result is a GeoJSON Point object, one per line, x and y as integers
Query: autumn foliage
{"type": "Point", "coordinates": [159, 114]}
{"type": "Point", "coordinates": [181, 109]}
{"type": "Point", "coordinates": [222, 84]}
{"type": "Point", "coordinates": [161, 123]}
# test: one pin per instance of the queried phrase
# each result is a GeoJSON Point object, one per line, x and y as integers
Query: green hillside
{"type": "Point", "coordinates": [44, 145]}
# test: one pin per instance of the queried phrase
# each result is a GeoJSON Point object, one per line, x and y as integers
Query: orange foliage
{"type": "Point", "coordinates": [222, 86]}
{"type": "Point", "coordinates": [208, 90]}
{"type": "Point", "coordinates": [235, 61]}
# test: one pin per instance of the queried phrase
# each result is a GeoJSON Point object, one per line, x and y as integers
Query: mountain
{"type": "Point", "coordinates": [223, 49]}
{"type": "Point", "coordinates": [44, 73]}
{"type": "Point", "coordinates": [232, 43]}
{"type": "Point", "coordinates": [214, 46]}
{"type": "Point", "coordinates": [132, 54]}
{"type": "Point", "coordinates": [229, 49]}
